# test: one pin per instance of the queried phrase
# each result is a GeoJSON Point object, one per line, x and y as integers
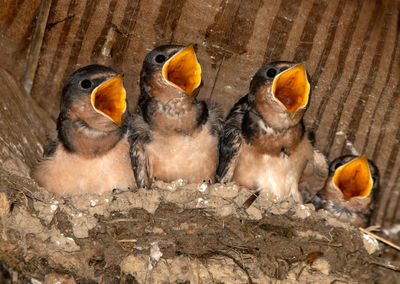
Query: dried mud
{"type": "Point", "coordinates": [177, 233]}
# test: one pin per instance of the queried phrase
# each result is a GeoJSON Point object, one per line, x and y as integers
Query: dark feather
{"type": "Point", "coordinates": [64, 124]}
{"type": "Point", "coordinates": [202, 113]}
{"type": "Point", "coordinates": [138, 129]}
{"type": "Point", "coordinates": [250, 126]}
{"type": "Point", "coordinates": [139, 164]}
{"type": "Point", "coordinates": [138, 135]}
{"type": "Point", "coordinates": [318, 201]}
{"type": "Point", "coordinates": [215, 118]}
{"type": "Point", "coordinates": [231, 140]}
{"type": "Point", "coordinates": [50, 146]}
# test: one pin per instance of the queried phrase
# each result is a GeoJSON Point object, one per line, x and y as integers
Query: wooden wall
{"type": "Point", "coordinates": [350, 47]}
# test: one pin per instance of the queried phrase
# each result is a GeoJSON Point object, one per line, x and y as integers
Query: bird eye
{"type": "Point", "coordinates": [337, 165]}
{"type": "Point", "coordinates": [86, 84]}
{"type": "Point", "coordinates": [160, 58]}
{"type": "Point", "coordinates": [271, 72]}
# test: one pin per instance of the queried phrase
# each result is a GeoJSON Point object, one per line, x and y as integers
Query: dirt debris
{"type": "Point", "coordinates": [178, 232]}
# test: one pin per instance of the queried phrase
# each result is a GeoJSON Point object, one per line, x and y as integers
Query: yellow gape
{"type": "Point", "coordinates": [354, 178]}
{"type": "Point", "coordinates": [183, 70]}
{"type": "Point", "coordinates": [291, 88]}
{"type": "Point", "coordinates": [109, 99]}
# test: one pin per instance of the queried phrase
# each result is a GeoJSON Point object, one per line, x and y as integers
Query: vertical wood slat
{"type": "Point", "coordinates": [17, 22]}
{"type": "Point", "coordinates": [350, 48]}
{"type": "Point", "coordinates": [344, 52]}
{"type": "Point", "coordinates": [36, 44]}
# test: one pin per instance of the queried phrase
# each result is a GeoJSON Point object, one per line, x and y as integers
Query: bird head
{"type": "Point", "coordinates": [95, 95]}
{"type": "Point", "coordinates": [171, 71]}
{"type": "Point", "coordinates": [281, 92]}
{"type": "Point", "coordinates": [351, 190]}
{"type": "Point", "coordinates": [354, 177]}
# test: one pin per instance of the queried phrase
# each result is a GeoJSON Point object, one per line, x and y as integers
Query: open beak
{"type": "Point", "coordinates": [291, 88]}
{"type": "Point", "coordinates": [354, 178]}
{"type": "Point", "coordinates": [109, 99]}
{"type": "Point", "coordinates": [183, 70]}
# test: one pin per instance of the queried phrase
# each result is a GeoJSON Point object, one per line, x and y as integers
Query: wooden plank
{"type": "Point", "coordinates": [35, 45]}
{"type": "Point", "coordinates": [236, 70]}
{"type": "Point", "coordinates": [17, 22]}
{"type": "Point", "coordinates": [23, 127]}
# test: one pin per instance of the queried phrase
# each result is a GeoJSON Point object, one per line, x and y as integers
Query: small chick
{"type": "Point", "coordinates": [351, 190]}
{"type": "Point", "coordinates": [263, 145]}
{"type": "Point", "coordinates": [89, 152]}
{"type": "Point", "coordinates": [173, 135]}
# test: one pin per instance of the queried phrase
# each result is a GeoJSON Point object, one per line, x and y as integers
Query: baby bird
{"type": "Point", "coordinates": [263, 146]}
{"type": "Point", "coordinates": [173, 135]}
{"type": "Point", "coordinates": [89, 152]}
{"type": "Point", "coordinates": [351, 190]}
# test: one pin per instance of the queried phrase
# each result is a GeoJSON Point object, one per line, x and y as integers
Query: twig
{"type": "Point", "coordinates": [329, 244]}
{"type": "Point", "coordinates": [386, 265]}
{"type": "Point", "coordinates": [299, 273]}
{"type": "Point", "coordinates": [121, 220]}
{"type": "Point", "coordinates": [127, 241]}
{"type": "Point", "coordinates": [250, 200]}
{"type": "Point", "coordinates": [380, 238]}
{"type": "Point", "coordinates": [50, 25]}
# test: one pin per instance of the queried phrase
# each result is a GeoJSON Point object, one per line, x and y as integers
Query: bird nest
{"type": "Point", "coordinates": [175, 233]}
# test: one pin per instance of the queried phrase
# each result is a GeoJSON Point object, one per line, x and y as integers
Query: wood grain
{"type": "Point", "coordinates": [17, 24]}
{"type": "Point", "coordinates": [23, 127]}
{"type": "Point", "coordinates": [36, 45]}
{"type": "Point", "coordinates": [351, 50]}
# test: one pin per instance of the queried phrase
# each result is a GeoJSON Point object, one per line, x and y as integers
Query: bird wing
{"type": "Point", "coordinates": [51, 144]}
{"type": "Point", "coordinates": [138, 136]}
{"type": "Point", "coordinates": [230, 141]}
{"type": "Point", "coordinates": [314, 176]}
{"type": "Point", "coordinates": [215, 118]}
{"type": "Point", "coordinates": [139, 164]}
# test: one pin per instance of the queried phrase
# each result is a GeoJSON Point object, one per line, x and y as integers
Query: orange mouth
{"type": "Point", "coordinates": [354, 178]}
{"type": "Point", "coordinates": [183, 70]}
{"type": "Point", "coordinates": [291, 88]}
{"type": "Point", "coordinates": [109, 99]}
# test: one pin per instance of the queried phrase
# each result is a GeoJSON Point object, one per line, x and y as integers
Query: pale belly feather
{"type": "Point", "coordinates": [276, 177]}
{"type": "Point", "coordinates": [193, 158]}
{"type": "Point", "coordinates": [70, 174]}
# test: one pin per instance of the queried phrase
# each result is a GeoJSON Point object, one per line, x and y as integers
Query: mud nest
{"type": "Point", "coordinates": [177, 233]}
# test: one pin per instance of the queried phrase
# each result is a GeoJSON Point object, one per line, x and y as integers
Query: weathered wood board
{"type": "Point", "coordinates": [17, 23]}
{"type": "Point", "coordinates": [350, 48]}
{"type": "Point", "coordinates": [23, 127]}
